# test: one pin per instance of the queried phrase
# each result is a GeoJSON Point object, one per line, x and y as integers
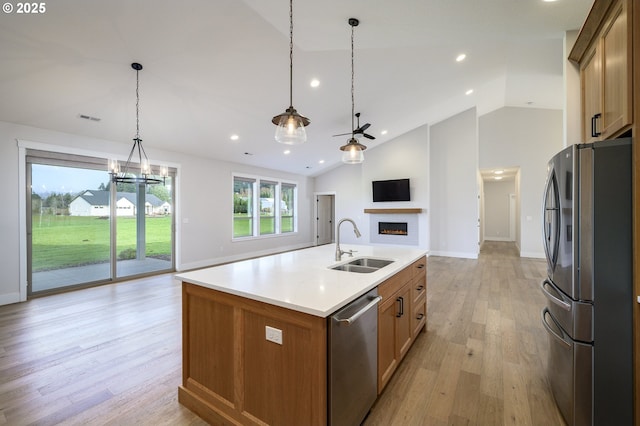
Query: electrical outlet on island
{"type": "Point", "coordinates": [273, 335]}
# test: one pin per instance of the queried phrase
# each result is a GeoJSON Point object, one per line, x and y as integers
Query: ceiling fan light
{"type": "Point", "coordinates": [290, 127]}
{"type": "Point", "coordinates": [352, 152]}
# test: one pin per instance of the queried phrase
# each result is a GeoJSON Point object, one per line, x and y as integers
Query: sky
{"type": "Point", "coordinates": [46, 179]}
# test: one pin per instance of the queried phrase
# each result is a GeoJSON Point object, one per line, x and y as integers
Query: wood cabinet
{"type": "Point", "coordinates": [402, 313]}
{"type": "Point", "coordinates": [606, 74]}
{"type": "Point", "coordinates": [233, 375]}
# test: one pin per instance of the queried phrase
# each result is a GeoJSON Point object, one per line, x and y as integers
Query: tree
{"type": "Point", "coordinates": [160, 191]}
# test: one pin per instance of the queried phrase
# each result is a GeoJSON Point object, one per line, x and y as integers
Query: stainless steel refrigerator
{"type": "Point", "coordinates": [588, 317]}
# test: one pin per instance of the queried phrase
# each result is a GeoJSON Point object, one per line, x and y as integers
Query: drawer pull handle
{"type": "Point", "coordinates": [420, 316]}
{"type": "Point", "coordinates": [420, 266]}
{"type": "Point", "coordinates": [594, 125]}
{"type": "Point", "coordinates": [401, 300]}
{"type": "Point", "coordinates": [419, 288]}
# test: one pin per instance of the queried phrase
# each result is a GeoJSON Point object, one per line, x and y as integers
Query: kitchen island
{"type": "Point", "coordinates": [255, 331]}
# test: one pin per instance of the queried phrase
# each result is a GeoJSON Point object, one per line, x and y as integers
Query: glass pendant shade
{"type": "Point", "coordinates": [352, 152]}
{"type": "Point", "coordinates": [290, 127]}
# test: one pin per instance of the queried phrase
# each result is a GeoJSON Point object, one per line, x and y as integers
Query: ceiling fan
{"type": "Point", "coordinates": [359, 130]}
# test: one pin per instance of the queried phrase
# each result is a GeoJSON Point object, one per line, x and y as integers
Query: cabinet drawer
{"type": "Point", "coordinates": [418, 287]}
{"type": "Point", "coordinates": [393, 284]}
{"type": "Point", "coordinates": [419, 266]}
{"type": "Point", "coordinates": [418, 315]}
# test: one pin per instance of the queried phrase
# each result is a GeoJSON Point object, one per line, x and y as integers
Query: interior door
{"type": "Point", "coordinates": [325, 212]}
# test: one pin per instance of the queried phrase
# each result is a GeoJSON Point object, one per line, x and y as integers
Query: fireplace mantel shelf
{"type": "Point", "coordinates": [393, 211]}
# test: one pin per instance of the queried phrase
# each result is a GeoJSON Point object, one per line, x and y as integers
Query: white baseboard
{"type": "Point", "coordinates": [463, 255]}
{"type": "Point", "coordinates": [205, 263]}
{"type": "Point", "coordinates": [9, 298]}
{"type": "Point", "coordinates": [506, 239]}
{"type": "Point", "coordinates": [532, 254]}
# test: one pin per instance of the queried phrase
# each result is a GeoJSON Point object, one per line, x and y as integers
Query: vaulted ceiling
{"type": "Point", "coordinates": [215, 68]}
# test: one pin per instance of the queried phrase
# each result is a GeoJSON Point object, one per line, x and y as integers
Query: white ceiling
{"type": "Point", "coordinates": [213, 68]}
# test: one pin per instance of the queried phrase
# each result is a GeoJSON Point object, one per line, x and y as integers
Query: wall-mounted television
{"type": "Point", "coordinates": [391, 190]}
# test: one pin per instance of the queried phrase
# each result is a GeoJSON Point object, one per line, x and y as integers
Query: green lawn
{"type": "Point", "coordinates": [242, 225]}
{"type": "Point", "coordinates": [66, 241]}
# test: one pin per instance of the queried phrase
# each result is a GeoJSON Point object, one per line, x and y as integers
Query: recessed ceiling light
{"type": "Point", "coordinates": [321, 162]}
{"type": "Point", "coordinates": [315, 82]}
{"type": "Point", "coordinates": [549, 1]}
{"type": "Point", "coordinates": [460, 57]}
{"type": "Point", "coordinates": [468, 92]}
{"type": "Point", "coordinates": [287, 152]}
{"type": "Point", "coordinates": [498, 177]}
{"type": "Point", "coordinates": [234, 137]}
{"type": "Point", "coordinates": [498, 172]}
{"type": "Point", "coordinates": [384, 132]}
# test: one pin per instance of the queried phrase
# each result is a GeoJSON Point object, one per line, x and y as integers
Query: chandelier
{"type": "Point", "coordinates": [128, 174]}
{"type": "Point", "coordinates": [290, 125]}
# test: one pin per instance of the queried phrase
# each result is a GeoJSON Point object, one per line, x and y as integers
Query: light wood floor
{"type": "Point", "coordinates": [483, 358]}
{"type": "Point", "coordinates": [112, 354]}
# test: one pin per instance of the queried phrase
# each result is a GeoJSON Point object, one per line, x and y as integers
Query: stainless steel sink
{"type": "Point", "coordinates": [371, 262]}
{"type": "Point", "coordinates": [355, 268]}
{"type": "Point", "coordinates": [363, 265]}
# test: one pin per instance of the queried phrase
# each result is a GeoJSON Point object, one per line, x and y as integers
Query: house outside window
{"type": "Point", "coordinates": [263, 207]}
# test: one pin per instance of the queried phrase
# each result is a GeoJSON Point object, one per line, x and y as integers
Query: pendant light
{"type": "Point", "coordinates": [290, 125]}
{"type": "Point", "coordinates": [128, 174]}
{"type": "Point", "coordinates": [352, 152]}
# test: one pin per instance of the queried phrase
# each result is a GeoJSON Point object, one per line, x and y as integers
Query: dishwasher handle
{"type": "Point", "coordinates": [354, 317]}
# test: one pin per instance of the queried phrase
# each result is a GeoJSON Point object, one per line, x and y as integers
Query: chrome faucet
{"type": "Point", "coordinates": [356, 231]}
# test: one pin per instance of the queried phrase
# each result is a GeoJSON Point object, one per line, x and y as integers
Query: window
{"type": "Point", "coordinates": [243, 207]}
{"type": "Point", "coordinates": [263, 207]}
{"type": "Point", "coordinates": [267, 207]}
{"type": "Point", "coordinates": [287, 197]}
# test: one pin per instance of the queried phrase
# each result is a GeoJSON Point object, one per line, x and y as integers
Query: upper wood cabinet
{"type": "Point", "coordinates": [604, 52]}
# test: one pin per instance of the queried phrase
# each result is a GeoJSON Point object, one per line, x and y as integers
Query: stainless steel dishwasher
{"type": "Point", "coordinates": [353, 360]}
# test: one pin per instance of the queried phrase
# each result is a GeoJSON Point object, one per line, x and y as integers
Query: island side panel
{"type": "Point", "coordinates": [270, 383]}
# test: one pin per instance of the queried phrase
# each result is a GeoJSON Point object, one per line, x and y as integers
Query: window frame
{"type": "Point", "coordinates": [256, 203]}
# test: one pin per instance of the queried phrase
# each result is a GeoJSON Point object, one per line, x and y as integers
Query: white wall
{"type": "Point", "coordinates": [204, 199]}
{"type": "Point", "coordinates": [454, 188]}
{"type": "Point", "coordinates": [527, 138]}
{"type": "Point", "coordinates": [496, 209]}
{"type": "Point", "coordinates": [403, 157]}
{"type": "Point", "coordinates": [571, 82]}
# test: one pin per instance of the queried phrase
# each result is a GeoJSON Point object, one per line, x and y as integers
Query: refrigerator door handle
{"type": "Point", "coordinates": [553, 299]}
{"type": "Point", "coordinates": [560, 338]}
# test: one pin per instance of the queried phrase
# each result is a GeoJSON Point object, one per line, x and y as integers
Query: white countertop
{"type": "Point", "coordinates": [301, 280]}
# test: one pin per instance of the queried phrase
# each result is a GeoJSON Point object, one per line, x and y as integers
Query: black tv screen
{"type": "Point", "coordinates": [391, 190]}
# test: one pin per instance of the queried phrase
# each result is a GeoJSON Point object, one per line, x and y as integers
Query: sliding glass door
{"type": "Point", "coordinates": [144, 223]}
{"type": "Point", "coordinates": [69, 228]}
{"type": "Point", "coordinates": [82, 230]}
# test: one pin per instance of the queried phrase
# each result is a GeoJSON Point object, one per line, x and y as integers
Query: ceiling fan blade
{"type": "Point", "coordinates": [364, 127]}
{"type": "Point", "coordinates": [342, 134]}
{"type": "Point", "coordinates": [368, 136]}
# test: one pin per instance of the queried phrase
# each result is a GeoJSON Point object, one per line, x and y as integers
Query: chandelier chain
{"type": "Point", "coordinates": [137, 104]}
